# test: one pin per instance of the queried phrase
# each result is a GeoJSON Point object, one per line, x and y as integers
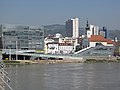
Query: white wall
{"type": "Point", "coordinates": [110, 45]}
{"type": "Point", "coordinates": [46, 40]}
{"type": "Point", "coordinates": [69, 40]}
{"type": "Point", "coordinates": [66, 49]}
{"type": "Point", "coordinates": [102, 33]}
{"type": "Point", "coordinates": [93, 44]}
{"type": "Point", "coordinates": [94, 30]}
{"type": "Point", "coordinates": [75, 27]}
{"type": "Point", "coordinates": [88, 34]}
{"type": "Point", "coordinates": [52, 48]}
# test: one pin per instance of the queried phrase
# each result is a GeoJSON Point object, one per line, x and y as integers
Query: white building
{"type": "Point", "coordinates": [47, 40]}
{"type": "Point", "coordinates": [72, 40]}
{"type": "Point", "coordinates": [58, 35]}
{"type": "Point", "coordinates": [60, 48]}
{"type": "Point", "coordinates": [66, 48]}
{"type": "Point", "coordinates": [53, 48]}
{"type": "Point", "coordinates": [65, 44]}
{"type": "Point", "coordinates": [94, 30]}
{"type": "Point", "coordinates": [75, 27]}
{"type": "Point", "coordinates": [98, 39]}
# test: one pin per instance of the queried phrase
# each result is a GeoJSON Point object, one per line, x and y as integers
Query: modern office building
{"type": "Point", "coordinates": [99, 50]}
{"type": "Point", "coordinates": [72, 27]}
{"type": "Point", "coordinates": [22, 37]}
{"type": "Point", "coordinates": [103, 32]}
{"type": "Point", "coordinates": [95, 30]}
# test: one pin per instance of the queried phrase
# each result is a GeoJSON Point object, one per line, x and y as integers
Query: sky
{"type": "Point", "coordinates": [47, 12]}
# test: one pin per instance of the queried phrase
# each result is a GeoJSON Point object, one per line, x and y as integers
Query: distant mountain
{"type": "Point", "coordinates": [114, 33]}
{"type": "Point", "coordinates": [53, 29]}
{"type": "Point", "coordinates": [57, 28]}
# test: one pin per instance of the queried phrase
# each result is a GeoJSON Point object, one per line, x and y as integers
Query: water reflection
{"type": "Point", "coordinates": [96, 76]}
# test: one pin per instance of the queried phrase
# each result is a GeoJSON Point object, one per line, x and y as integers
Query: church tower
{"type": "Point", "coordinates": [87, 28]}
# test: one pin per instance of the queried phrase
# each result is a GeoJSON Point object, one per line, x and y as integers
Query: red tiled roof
{"type": "Point", "coordinates": [117, 43]}
{"type": "Point", "coordinates": [99, 38]}
{"type": "Point", "coordinates": [52, 43]}
{"type": "Point", "coordinates": [62, 44]}
{"type": "Point", "coordinates": [109, 41]}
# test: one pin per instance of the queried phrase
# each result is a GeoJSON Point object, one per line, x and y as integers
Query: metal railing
{"type": "Point", "coordinates": [4, 79]}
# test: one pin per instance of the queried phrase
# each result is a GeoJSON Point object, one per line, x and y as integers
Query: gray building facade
{"type": "Point", "coordinates": [69, 28]}
{"type": "Point", "coordinates": [22, 37]}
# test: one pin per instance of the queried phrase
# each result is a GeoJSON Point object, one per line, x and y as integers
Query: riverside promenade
{"type": "Point", "coordinates": [65, 60]}
{"type": "Point", "coordinates": [48, 61]}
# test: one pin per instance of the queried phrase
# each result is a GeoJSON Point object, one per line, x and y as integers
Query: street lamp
{"type": "Point", "coordinates": [16, 50]}
{"type": "Point", "coordinates": [10, 51]}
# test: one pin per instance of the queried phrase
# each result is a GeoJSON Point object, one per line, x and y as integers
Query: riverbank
{"type": "Point", "coordinates": [40, 61]}
{"type": "Point", "coordinates": [59, 61]}
{"type": "Point", "coordinates": [100, 61]}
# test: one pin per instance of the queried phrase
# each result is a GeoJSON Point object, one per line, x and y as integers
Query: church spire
{"type": "Point", "coordinates": [87, 25]}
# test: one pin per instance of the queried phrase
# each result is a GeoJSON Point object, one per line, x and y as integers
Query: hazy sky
{"type": "Point", "coordinates": [47, 12]}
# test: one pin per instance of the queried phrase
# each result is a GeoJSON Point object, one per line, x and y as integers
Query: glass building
{"type": "Point", "coordinates": [99, 50]}
{"type": "Point", "coordinates": [22, 37]}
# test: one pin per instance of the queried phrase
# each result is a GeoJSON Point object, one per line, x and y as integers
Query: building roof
{"type": "Point", "coordinates": [99, 38]}
{"type": "Point", "coordinates": [110, 41]}
{"type": "Point", "coordinates": [66, 44]}
{"type": "Point", "coordinates": [117, 43]}
{"type": "Point", "coordinates": [61, 44]}
{"type": "Point", "coordinates": [52, 43]}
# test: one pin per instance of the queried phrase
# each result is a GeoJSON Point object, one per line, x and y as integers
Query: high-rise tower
{"type": "Point", "coordinates": [72, 27]}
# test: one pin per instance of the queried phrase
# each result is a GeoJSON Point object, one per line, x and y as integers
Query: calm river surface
{"type": "Point", "coordinates": [81, 76]}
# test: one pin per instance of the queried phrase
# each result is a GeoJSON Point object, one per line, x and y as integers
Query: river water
{"type": "Point", "coordinates": [81, 76]}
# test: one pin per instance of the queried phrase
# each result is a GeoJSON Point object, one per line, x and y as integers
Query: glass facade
{"type": "Point", "coordinates": [97, 51]}
{"type": "Point", "coordinates": [23, 37]}
{"type": "Point", "coordinates": [69, 28]}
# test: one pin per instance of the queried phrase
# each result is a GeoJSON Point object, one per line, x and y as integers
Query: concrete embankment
{"type": "Point", "coordinates": [66, 60]}
{"type": "Point", "coordinates": [102, 59]}
{"type": "Point", "coordinates": [48, 61]}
